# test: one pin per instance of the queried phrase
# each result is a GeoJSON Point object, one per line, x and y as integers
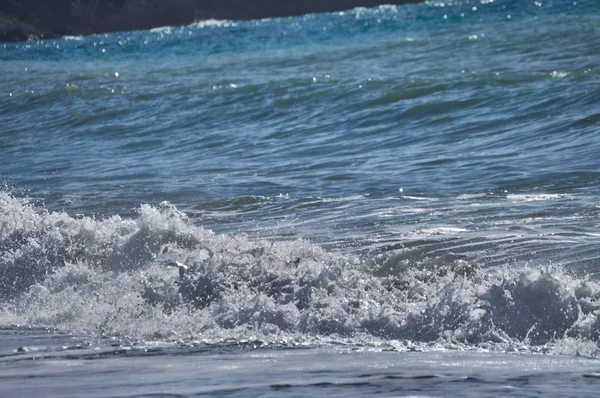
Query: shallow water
{"type": "Point", "coordinates": [413, 183]}
{"type": "Point", "coordinates": [73, 369]}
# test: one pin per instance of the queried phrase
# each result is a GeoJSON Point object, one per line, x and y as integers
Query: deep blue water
{"type": "Point", "coordinates": [420, 177]}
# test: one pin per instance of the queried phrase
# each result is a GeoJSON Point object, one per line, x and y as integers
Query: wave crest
{"type": "Point", "coordinates": [158, 277]}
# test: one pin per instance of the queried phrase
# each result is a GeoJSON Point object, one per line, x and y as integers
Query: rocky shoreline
{"type": "Point", "coordinates": [22, 20]}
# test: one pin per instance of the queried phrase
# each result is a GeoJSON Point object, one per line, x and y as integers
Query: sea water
{"type": "Point", "coordinates": [400, 200]}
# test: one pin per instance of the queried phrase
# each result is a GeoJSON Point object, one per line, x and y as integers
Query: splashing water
{"type": "Point", "coordinates": [115, 278]}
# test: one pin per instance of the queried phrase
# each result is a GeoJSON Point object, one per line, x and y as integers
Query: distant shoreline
{"type": "Point", "coordinates": [42, 19]}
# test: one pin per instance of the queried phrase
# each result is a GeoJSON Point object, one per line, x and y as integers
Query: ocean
{"type": "Point", "coordinates": [392, 201]}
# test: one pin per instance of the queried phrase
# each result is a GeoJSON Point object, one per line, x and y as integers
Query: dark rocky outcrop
{"type": "Point", "coordinates": [34, 19]}
{"type": "Point", "coordinates": [14, 29]}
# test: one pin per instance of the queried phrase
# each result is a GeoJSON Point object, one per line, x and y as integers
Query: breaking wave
{"type": "Point", "coordinates": [159, 277]}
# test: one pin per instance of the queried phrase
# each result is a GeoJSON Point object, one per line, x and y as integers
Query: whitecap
{"type": "Point", "coordinates": [217, 23]}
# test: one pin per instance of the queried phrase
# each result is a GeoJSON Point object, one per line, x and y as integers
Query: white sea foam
{"type": "Point", "coordinates": [158, 277]}
{"type": "Point", "coordinates": [421, 198]}
{"type": "Point", "coordinates": [76, 38]}
{"type": "Point", "coordinates": [163, 29]}
{"type": "Point", "coordinates": [536, 197]}
{"type": "Point", "coordinates": [217, 23]}
{"type": "Point", "coordinates": [440, 231]}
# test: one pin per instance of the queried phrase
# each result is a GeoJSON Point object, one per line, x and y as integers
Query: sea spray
{"type": "Point", "coordinates": [114, 278]}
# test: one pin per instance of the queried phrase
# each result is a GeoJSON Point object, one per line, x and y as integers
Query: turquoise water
{"type": "Point", "coordinates": [412, 178]}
